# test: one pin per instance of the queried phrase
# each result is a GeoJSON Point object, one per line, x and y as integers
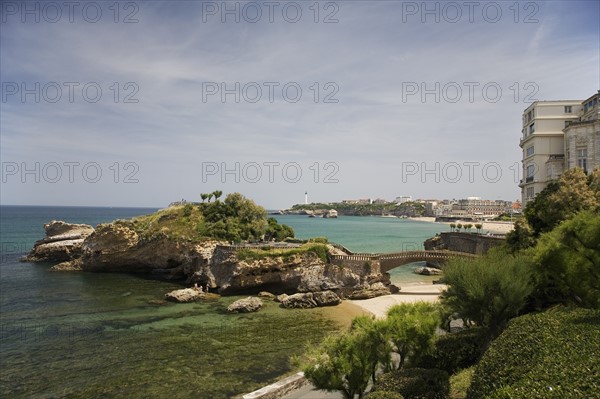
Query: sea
{"type": "Point", "coordinates": [84, 335]}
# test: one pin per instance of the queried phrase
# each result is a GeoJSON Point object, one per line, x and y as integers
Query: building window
{"type": "Point", "coordinates": [568, 109]}
{"type": "Point", "coordinates": [582, 158]}
{"type": "Point", "coordinates": [530, 192]}
{"type": "Point", "coordinates": [530, 170]}
{"type": "Point", "coordinates": [532, 128]}
{"type": "Point", "coordinates": [529, 151]}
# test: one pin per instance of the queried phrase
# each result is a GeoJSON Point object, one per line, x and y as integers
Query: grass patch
{"type": "Point", "coordinates": [178, 222]}
{"type": "Point", "coordinates": [251, 254]}
{"type": "Point", "coordinates": [460, 382]}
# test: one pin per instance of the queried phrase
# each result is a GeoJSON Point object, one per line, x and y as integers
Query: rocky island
{"type": "Point", "coordinates": [213, 245]}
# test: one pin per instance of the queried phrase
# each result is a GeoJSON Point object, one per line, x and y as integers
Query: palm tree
{"type": "Point", "coordinates": [217, 194]}
{"type": "Point", "coordinates": [203, 196]}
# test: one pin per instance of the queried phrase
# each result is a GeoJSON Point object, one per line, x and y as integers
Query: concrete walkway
{"type": "Point", "coordinates": [309, 392]}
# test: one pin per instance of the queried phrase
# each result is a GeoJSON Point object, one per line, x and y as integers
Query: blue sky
{"type": "Point", "coordinates": [406, 105]}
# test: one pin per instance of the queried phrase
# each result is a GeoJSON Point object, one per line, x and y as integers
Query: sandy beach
{"type": "Point", "coordinates": [408, 294]}
{"type": "Point", "coordinates": [492, 227]}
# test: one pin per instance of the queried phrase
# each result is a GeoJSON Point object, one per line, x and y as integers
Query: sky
{"type": "Point", "coordinates": [141, 103]}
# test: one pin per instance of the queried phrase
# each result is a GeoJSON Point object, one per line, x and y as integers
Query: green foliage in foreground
{"type": "Point", "coordinates": [547, 355]}
{"type": "Point", "coordinates": [251, 254]}
{"type": "Point", "coordinates": [348, 362]}
{"type": "Point", "coordinates": [454, 351]}
{"type": "Point", "coordinates": [567, 262]}
{"type": "Point", "coordinates": [342, 363]}
{"type": "Point", "coordinates": [416, 383]}
{"type": "Point", "coordinates": [384, 395]}
{"type": "Point", "coordinates": [412, 327]}
{"type": "Point", "coordinates": [488, 290]}
{"type": "Point", "coordinates": [236, 218]}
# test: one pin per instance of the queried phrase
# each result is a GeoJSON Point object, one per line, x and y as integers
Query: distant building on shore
{"type": "Point", "coordinates": [556, 136]}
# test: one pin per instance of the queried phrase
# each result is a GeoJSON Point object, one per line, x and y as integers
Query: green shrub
{"type": "Point", "coordinates": [488, 290]}
{"type": "Point", "coordinates": [319, 240]}
{"type": "Point", "coordinates": [384, 395]}
{"type": "Point", "coordinates": [454, 351]}
{"type": "Point", "coordinates": [416, 383]}
{"type": "Point", "coordinates": [546, 355]}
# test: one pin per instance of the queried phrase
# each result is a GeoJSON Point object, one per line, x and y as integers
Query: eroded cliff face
{"type": "Point", "coordinates": [297, 273]}
{"type": "Point", "coordinates": [63, 242]}
{"type": "Point", "coordinates": [115, 247]}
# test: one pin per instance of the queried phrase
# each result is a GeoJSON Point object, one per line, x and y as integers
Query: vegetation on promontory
{"type": "Point", "coordinates": [409, 209]}
{"type": "Point", "coordinates": [530, 313]}
{"type": "Point", "coordinates": [234, 219]}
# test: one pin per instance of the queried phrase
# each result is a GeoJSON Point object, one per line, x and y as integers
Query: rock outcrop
{"type": "Point", "coordinates": [118, 247]}
{"type": "Point", "coordinates": [247, 305]}
{"type": "Point", "coordinates": [311, 300]}
{"type": "Point", "coordinates": [185, 295]}
{"type": "Point", "coordinates": [428, 271]}
{"type": "Point", "coordinates": [62, 243]}
{"type": "Point", "coordinates": [372, 291]}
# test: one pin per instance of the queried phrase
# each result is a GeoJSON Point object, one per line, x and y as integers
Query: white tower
{"type": "Point", "coordinates": [306, 198]}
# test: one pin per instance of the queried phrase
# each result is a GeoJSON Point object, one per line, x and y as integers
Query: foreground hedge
{"type": "Point", "coordinates": [455, 351]}
{"type": "Point", "coordinates": [384, 395]}
{"type": "Point", "coordinates": [547, 355]}
{"type": "Point", "coordinates": [416, 383]}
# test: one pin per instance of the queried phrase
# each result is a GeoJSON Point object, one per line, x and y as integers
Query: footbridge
{"type": "Point", "coordinates": [389, 261]}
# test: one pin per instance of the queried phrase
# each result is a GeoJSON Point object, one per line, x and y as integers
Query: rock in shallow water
{"type": "Point", "coordinates": [247, 305]}
{"type": "Point", "coordinates": [184, 295]}
{"type": "Point", "coordinates": [311, 300]}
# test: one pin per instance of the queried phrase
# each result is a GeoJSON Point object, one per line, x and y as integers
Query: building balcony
{"type": "Point", "coordinates": [529, 179]}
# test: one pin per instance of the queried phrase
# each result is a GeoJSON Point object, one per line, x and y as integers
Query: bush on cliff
{"type": "Point", "coordinates": [546, 355]}
{"type": "Point", "coordinates": [234, 219]}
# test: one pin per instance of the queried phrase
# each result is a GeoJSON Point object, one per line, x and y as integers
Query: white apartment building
{"type": "Point", "coordinates": [551, 130]}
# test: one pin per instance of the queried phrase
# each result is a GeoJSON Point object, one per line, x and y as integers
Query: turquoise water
{"type": "Point", "coordinates": [371, 234]}
{"type": "Point", "coordinates": [111, 335]}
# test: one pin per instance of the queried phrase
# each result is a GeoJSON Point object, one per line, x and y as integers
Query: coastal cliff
{"type": "Point", "coordinates": [163, 244]}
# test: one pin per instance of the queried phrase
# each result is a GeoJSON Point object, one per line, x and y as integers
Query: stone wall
{"type": "Point", "coordinates": [463, 242]}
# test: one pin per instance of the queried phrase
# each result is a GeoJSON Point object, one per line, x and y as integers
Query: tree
{"type": "Point", "coordinates": [488, 290]}
{"type": "Point", "coordinates": [468, 226]}
{"type": "Point", "coordinates": [562, 199]}
{"type": "Point", "coordinates": [341, 363]}
{"type": "Point", "coordinates": [521, 236]}
{"type": "Point", "coordinates": [378, 342]}
{"type": "Point", "coordinates": [459, 226]}
{"type": "Point", "coordinates": [276, 231]}
{"type": "Point", "coordinates": [217, 194]}
{"type": "Point", "coordinates": [204, 197]}
{"type": "Point", "coordinates": [412, 327]}
{"type": "Point", "coordinates": [452, 226]}
{"type": "Point", "coordinates": [567, 262]}
{"type": "Point", "coordinates": [478, 226]}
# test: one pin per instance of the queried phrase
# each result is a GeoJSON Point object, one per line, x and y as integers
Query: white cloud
{"type": "Point", "coordinates": [371, 55]}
